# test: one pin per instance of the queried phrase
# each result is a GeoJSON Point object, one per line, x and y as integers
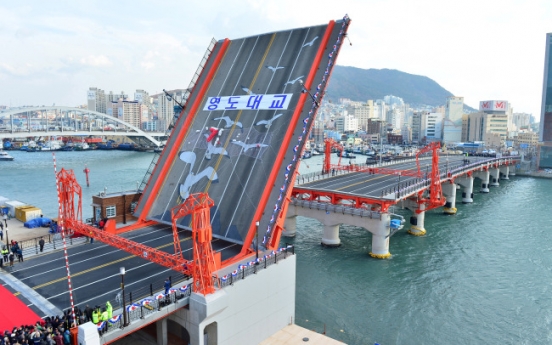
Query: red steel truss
{"type": "Point", "coordinates": [71, 219]}
{"type": "Point", "coordinates": [198, 205]}
{"type": "Point", "coordinates": [436, 198]}
{"type": "Point", "coordinates": [330, 144]}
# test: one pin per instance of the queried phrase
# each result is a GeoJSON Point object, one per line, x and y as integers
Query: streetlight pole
{"type": "Point", "coordinates": [257, 235]}
{"type": "Point", "coordinates": [122, 272]}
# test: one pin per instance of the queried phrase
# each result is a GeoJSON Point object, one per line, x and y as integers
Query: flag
{"type": "Point", "coordinates": [115, 318]}
{"type": "Point", "coordinates": [101, 325]}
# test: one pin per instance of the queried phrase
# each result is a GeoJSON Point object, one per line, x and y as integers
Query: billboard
{"type": "Point", "coordinates": [493, 106]}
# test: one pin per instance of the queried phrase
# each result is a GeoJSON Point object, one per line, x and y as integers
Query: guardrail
{"type": "Point", "coordinates": [255, 266]}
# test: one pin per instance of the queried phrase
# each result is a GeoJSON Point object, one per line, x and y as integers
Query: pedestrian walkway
{"type": "Point", "coordinates": [29, 239]}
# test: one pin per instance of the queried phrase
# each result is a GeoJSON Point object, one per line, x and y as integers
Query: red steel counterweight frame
{"type": "Point", "coordinates": [72, 221]}
{"type": "Point", "coordinates": [330, 144]}
{"type": "Point", "coordinates": [198, 205]}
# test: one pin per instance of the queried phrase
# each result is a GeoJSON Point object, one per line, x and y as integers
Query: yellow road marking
{"type": "Point", "coordinates": [95, 268]}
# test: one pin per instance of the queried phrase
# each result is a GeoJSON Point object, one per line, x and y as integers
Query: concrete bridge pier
{"type": "Point", "coordinates": [495, 176]}
{"type": "Point", "coordinates": [512, 170]}
{"type": "Point", "coordinates": [484, 176]}
{"type": "Point", "coordinates": [504, 172]}
{"type": "Point", "coordinates": [380, 238]}
{"type": "Point", "coordinates": [449, 190]}
{"type": "Point", "coordinates": [330, 238]}
{"type": "Point", "coordinates": [290, 227]}
{"type": "Point", "coordinates": [417, 218]}
{"type": "Point", "coordinates": [162, 335]}
{"type": "Point", "coordinates": [467, 188]}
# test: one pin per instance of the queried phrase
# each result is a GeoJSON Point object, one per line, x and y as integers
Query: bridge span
{"type": "Point", "coordinates": [68, 121]}
{"type": "Point", "coordinates": [239, 138]}
{"type": "Point", "coordinates": [362, 195]}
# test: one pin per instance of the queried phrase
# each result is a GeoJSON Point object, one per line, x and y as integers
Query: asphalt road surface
{"type": "Point", "coordinates": [95, 273]}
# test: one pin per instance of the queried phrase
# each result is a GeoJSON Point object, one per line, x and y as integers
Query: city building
{"type": "Point", "coordinates": [526, 139]}
{"type": "Point", "coordinates": [363, 112]}
{"type": "Point", "coordinates": [545, 150]}
{"type": "Point", "coordinates": [454, 109]}
{"type": "Point", "coordinates": [166, 105]}
{"type": "Point", "coordinates": [482, 126]}
{"type": "Point", "coordinates": [97, 100]}
{"type": "Point", "coordinates": [432, 126]}
{"type": "Point", "coordinates": [127, 111]}
{"type": "Point", "coordinates": [452, 131]}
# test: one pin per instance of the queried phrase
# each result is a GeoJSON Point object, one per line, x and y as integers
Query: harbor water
{"type": "Point", "coordinates": [481, 276]}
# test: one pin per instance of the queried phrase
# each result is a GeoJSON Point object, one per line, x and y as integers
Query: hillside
{"type": "Point", "coordinates": [363, 84]}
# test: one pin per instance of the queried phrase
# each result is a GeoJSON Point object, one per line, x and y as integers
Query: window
{"type": "Point", "coordinates": [110, 211]}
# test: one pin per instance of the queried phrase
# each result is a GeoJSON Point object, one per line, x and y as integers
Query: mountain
{"type": "Point", "coordinates": [360, 84]}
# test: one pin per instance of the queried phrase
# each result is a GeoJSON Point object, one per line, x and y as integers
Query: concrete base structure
{"type": "Point", "coordinates": [246, 312]}
{"type": "Point", "coordinates": [449, 190]}
{"type": "Point", "coordinates": [467, 188]}
{"type": "Point", "coordinates": [375, 222]}
{"type": "Point", "coordinates": [484, 177]}
{"type": "Point", "coordinates": [417, 218]}
{"type": "Point", "coordinates": [495, 176]}
{"type": "Point", "coordinates": [290, 227]}
{"type": "Point", "coordinates": [504, 172]}
{"type": "Point", "coordinates": [330, 238]}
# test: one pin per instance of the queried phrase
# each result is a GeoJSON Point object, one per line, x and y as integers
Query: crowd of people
{"type": "Point", "coordinates": [54, 330]}
{"type": "Point", "coordinates": [50, 331]}
{"type": "Point", "coordinates": [9, 255]}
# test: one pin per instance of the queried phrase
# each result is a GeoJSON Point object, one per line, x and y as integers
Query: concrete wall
{"type": "Point", "coordinates": [245, 313]}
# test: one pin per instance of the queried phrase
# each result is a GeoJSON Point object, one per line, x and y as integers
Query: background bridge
{"type": "Point", "coordinates": [68, 121]}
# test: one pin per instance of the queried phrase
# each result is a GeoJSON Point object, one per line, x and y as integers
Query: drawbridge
{"type": "Point", "coordinates": [238, 141]}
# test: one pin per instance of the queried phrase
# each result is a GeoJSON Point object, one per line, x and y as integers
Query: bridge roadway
{"type": "Point", "coordinates": [377, 186]}
{"type": "Point", "coordinates": [41, 281]}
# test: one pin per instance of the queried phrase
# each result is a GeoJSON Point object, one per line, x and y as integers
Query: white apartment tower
{"type": "Point", "coordinates": [96, 100]}
{"type": "Point", "coordinates": [454, 109]}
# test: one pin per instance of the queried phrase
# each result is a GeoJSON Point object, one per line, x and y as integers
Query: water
{"type": "Point", "coordinates": [481, 276]}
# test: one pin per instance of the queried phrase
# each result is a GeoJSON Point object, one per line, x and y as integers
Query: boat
{"type": "Point", "coordinates": [82, 146]}
{"type": "Point", "coordinates": [315, 153]}
{"type": "Point", "coordinates": [126, 147]}
{"type": "Point", "coordinates": [52, 145]}
{"type": "Point", "coordinates": [4, 156]}
{"type": "Point", "coordinates": [307, 154]}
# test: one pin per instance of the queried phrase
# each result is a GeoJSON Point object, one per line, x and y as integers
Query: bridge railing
{"type": "Point", "coordinates": [347, 169]}
{"type": "Point", "coordinates": [140, 309]}
{"type": "Point", "coordinates": [150, 302]}
{"type": "Point", "coordinates": [252, 267]}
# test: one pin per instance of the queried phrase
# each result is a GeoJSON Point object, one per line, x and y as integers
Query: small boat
{"type": "Point", "coordinates": [315, 153]}
{"type": "Point", "coordinates": [307, 154]}
{"type": "Point", "coordinates": [4, 156]}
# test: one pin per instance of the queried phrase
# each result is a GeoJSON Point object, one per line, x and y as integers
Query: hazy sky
{"type": "Point", "coordinates": [53, 51]}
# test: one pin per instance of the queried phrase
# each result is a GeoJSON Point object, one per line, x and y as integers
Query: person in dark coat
{"type": "Point", "coordinates": [167, 285]}
{"type": "Point", "coordinates": [41, 244]}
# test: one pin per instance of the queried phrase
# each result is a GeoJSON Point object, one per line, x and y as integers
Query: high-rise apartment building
{"type": "Point", "coordinates": [96, 100]}
{"type": "Point", "coordinates": [454, 109]}
{"type": "Point", "coordinates": [127, 111]}
{"type": "Point", "coordinates": [545, 133]}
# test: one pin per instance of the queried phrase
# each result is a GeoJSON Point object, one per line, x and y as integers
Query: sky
{"type": "Point", "coordinates": [51, 52]}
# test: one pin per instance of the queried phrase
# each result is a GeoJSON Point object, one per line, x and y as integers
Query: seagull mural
{"type": "Point", "coordinates": [274, 69]}
{"type": "Point", "coordinates": [214, 150]}
{"type": "Point", "coordinates": [268, 123]}
{"type": "Point", "coordinates": [310, 43]}
{"type": "Point", "coordinates": [293, 81]}
{"type": "Point", "coordinates": [191, 179]}
{"type": "Point", "coordinates": [229, 122]}
{"type": "Point", "coordinates": [248, 146]}
{"type": "Point", "coordinates": [249, 92]}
